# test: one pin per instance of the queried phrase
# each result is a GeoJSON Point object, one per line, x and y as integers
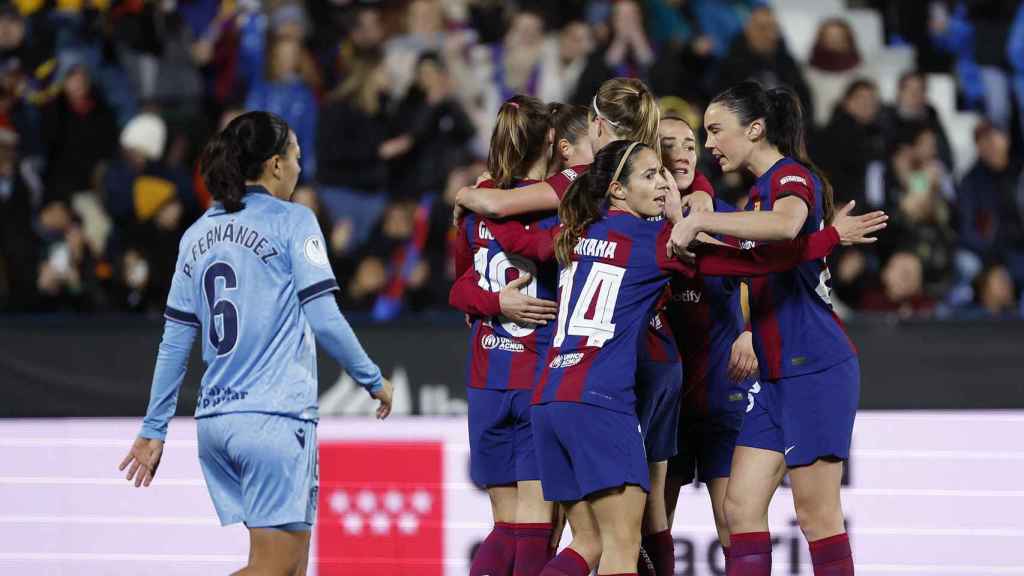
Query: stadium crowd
{"type": "Point", "coordinates": [105, 105]}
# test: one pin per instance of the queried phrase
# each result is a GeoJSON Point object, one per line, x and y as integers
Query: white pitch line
{"type": "Point", "coordinates": [96, 519]}
{"type": "Point", "coordinates": [76, 556]}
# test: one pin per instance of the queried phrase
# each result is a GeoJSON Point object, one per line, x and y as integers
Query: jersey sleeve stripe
{"type": "Point", "coordinates": [181, 317]}
{"type": "Point", "coordinates": [318, 289]}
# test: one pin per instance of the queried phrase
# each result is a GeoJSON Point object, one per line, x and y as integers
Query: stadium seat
{"type": "Point", "coordinates": [942, 94]}
{"type": "Point", "coordinates": [887, 66]}
{"type": "Point", "coordinates": [867, 27]}
{"type": "Point", "coordinates": [960, 130]}
{"type": "Point", "coordinates": [799, 28]}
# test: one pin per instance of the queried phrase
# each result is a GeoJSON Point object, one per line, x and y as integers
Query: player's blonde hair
{"type": "Point", "coordinates": [517, 141]}
{"type": "Point", "coordinates": [630, 109]}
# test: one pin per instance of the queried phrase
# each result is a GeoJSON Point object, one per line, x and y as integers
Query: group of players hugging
{"type": "Point", "coordinates": [632, 333]}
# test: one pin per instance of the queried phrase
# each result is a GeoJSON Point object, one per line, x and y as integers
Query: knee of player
{"type": "Point", "coordinates": [817, 515]}
{"type": "Point", "coordinates": [735, 511]}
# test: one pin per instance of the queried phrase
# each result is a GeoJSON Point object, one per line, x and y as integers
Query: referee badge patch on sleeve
{"type": "Point", "coordinates": [315, 251]}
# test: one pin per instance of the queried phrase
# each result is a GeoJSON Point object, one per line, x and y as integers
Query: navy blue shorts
{"type": "Point", "coordinates": [583, 449]}
{"type": "Point", "coordinates": [500, 437]}
{"type": "Point", "coordinates": [804, 417]}
{"type": "Point", "coordinates": [659, 387]}
{"type": "Point", "coordinates": [706, 444]}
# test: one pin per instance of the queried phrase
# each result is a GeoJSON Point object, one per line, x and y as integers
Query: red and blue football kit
{"type": "Point", "coordinates": [806, 401]}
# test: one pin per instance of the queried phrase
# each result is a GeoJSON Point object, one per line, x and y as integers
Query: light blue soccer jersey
{"type": "Point", "coordinates": [241, 278]}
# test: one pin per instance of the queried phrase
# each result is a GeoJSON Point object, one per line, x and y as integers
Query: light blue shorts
{"type": "Point", "coordinates": [260, 469]}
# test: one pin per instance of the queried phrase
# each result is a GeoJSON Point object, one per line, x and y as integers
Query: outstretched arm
{"type": "Point", "coordinates": [498, 203]}
{"type": "Point", "coordinates": [767, 258]}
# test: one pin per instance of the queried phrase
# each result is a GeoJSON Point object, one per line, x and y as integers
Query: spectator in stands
{"type": "Point", "coordinates": [424, 32]}
{"type": "Point", "coordinates": [901, 289]}
{"type": "Point", "coordinates": [383, 260]}
{"type": "Point", "coordinates": [983, 81]}
{"type": "Point", "coordinates": [835, 62]}
{"type": "Point", "coordinates": [66, 279]}
{"type": "Point", "coordinates": [562, 61]}
{"type": "Point", "coordinates": [495, 72]}
{"type": "Point", "coordinates": [355, 143]}
{"type": "Point", "coordinates": [439, 129]}
{"type": "Point", "coordinates": [141, 189]}
{"type": "Point", "coordinates": [761, 54]}
{"type": "Point", "coordinates": [287, 90]}
{"type": "Point", "coordinates": [78, 132]}
{"type": "Point", "coordinates": [18, 241]}
{"type": "Point", "coordinates": [991, 214]}
{"type": "Point", "coordinates": [852, 142]}
{"type": "Point", "coordinates": [920, 223]}
{"type": "Point", "coordinates": [682, 58]}
{"type": "Point", "coordinates": [994, 293]}
{"type": "Point", "coordinates": [912, 107]}
{"type": "Point", "coordinates": [627, 53]}
{"type": "Point", "coordinates": [365, 33]}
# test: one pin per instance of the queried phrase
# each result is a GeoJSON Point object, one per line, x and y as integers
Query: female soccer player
{"type": "Point", "coordinates": [614, 264]}
{"type": "Point", "coordinates": [506, 355]}
{"type": "Point", "coordinates": [622, 109]}
{"type": "Point", "coordinates": [800, 418]}
{"type": "Point", "coordinates": [717, 352]}
{"type": "Point", "coordinates": [253, 279]}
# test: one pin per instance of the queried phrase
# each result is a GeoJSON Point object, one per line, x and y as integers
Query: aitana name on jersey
{"type": "Point", "coordinates": [244, 236]}
{"type": "Point", "coordinates": [594, 248]}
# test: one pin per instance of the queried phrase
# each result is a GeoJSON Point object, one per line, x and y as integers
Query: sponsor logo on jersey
{"type": "Point", "coordinates": [570, 174]}
{"type": "Point", "coordinates": [315, 251]}
{"type": "Point", "coordinates": [492, 341]}
{"type": "Point", "coordinates": [656, 322]}
{"type": "Point", "coordinates": [595, 248]}
{"type": "Point", "coordinates": [747, 244]}
{"type": "Point", "coordinates": [792, 178]}
{"type": "Point", "coordinates": [687, 296]}
{"type": "Point", "coordinates": [566, 360]}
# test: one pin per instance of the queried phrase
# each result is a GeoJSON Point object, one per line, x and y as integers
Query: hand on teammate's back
{"type": "Point", "coordinates": [385, 396]}
{"type": "Point", "coordinates": [858, 229]}
{"type": "Point", "coordinates": [523, 309]}
{"type": "Point", "coordinates": [144, 457]}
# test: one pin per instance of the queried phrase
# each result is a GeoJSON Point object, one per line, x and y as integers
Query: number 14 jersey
{"type": "Point", "coordinates": [241, 279]}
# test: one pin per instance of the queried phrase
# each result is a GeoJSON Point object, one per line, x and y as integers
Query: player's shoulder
{"type": "Point", "coordinates": [792, 172]}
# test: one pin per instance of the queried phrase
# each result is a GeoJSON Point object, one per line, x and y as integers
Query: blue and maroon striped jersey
{"type": "Point", "coordinates": [504, 355]}
{"type": "Point", "coordinates": [795, 329]}
{"type": "Point", "coordinates": [704, 312]}
{"type": "Point", "coordinates": [608, 292]}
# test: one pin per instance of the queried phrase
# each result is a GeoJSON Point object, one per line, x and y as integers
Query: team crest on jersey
{"type": "Point", "coordinates": [315, 251]}
{"type": "Point", "coordinates": [566, 360]}
{"type": "Point", "coordinates": [492, 341]}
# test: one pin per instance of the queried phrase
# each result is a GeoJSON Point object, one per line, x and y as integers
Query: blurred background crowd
{"type": "Point", "coordinates": [916, 106]}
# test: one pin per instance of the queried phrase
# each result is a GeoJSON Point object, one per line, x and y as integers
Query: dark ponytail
{"type": "Point", "coordinates": [236, 155]}
{"type": "Point", "coordinates": [568, 122]}
{"type": "Point", "coordinates": [587, 197]}
{"type": "Point", "coordinates": [784, 126]}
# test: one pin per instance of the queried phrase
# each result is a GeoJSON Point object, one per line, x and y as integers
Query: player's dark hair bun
{"type": "Point", "coordinates": [237, 153]}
